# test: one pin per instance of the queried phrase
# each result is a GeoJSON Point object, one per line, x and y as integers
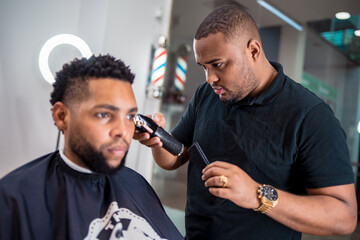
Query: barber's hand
{"type": "Point", "coordinates": [240, 188]}
{"type": "Point", "coordinates": [144, 138]}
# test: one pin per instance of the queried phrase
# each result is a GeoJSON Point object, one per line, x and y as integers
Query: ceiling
{"type": "Point", "coordinates": [319, 15]}
{"type": "Point", "coordinates": [302, 11]}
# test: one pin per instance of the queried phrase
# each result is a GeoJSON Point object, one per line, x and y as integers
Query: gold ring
{"type": "Point", "coordinates": [223, 180]}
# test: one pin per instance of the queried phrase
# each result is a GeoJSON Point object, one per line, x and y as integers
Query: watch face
{"type": "Point", "coordinates": [269, 192]}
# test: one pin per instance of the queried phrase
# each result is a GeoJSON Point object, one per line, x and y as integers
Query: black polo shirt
{"type": "Point", "coordinates": [286, 137]}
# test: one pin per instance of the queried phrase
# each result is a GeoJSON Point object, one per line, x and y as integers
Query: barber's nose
{"type": "Point", "coordinates": [211, 77]}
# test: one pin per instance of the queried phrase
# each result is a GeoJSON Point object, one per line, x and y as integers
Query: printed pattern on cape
{"type": "Point", "coordinates": [121, 223]}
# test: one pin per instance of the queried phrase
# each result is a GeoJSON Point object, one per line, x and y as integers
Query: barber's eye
{"type": "Point", "coordinates": [218, 64]}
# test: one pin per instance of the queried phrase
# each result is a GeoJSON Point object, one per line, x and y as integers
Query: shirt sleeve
{"type": "Point", "coordinates": [184, 129]}
{"type": "Point", "coordinates": [323, 156]}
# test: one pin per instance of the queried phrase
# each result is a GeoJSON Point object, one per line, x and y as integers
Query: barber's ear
{"type": "Point", "coordinates": [254, 48]}
{"type": "Point", "coordinates": [60, 114]}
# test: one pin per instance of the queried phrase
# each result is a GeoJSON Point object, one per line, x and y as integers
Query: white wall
{"type": "Point", "coordinates": [125, 29]}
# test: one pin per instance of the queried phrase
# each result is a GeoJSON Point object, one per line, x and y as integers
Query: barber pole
{"type": "Point", "coordinates": [180, 73]}
{"type": "Point", "coordinates": [158, 70]}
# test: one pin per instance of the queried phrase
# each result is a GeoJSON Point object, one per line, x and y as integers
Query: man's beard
{"type": "Point", "coordinates": [240, 92]}
{"type": "Point", "coordinates": [232, 97]}
{"type": "Point", "coordinates": [92, 158]}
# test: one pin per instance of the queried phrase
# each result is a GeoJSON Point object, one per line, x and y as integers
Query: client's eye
{"type": "Point", "coordinates": [102, 115]}
{"type": "Point", "coordinates": [130, 116]}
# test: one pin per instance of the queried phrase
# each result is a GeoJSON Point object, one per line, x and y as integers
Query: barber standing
{"type": "Point", "coordinates": [279, 163]}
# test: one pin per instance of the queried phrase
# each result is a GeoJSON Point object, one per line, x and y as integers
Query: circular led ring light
{"type": "Point", "coordinates": [54, 42]}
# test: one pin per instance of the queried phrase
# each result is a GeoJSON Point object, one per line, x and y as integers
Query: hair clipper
{"type": "Point", "coordinates": [146, 124]}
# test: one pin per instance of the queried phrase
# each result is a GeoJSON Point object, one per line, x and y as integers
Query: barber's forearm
{"type": "Point", "coordinates": [316, 214]}
{"type": "Point", "coordinates": [168, 161]}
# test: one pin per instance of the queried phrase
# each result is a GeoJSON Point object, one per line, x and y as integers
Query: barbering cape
{"type": "Point", "coordinates": [46, 199]}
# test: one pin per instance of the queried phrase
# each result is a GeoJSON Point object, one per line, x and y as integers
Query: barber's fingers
{"type": "Point", "coordinates": [226, 180]}
{"type": "Point", "coordinates": [218, 181]}
{"type": "Point", "coordinates": [154, 142]}
{"type": "Point", "coordinates": [213, 172]}
{"type": "Point", "coordinates": [219, 165]}
{"type": "Point", "coordinates": [218, 168]}
{"type": "Point", "coordinates": [145, 139]}
{"type": "Point", "coordinates": [141, 136]}
{"type": "Point", "coordinates": [159, 119]}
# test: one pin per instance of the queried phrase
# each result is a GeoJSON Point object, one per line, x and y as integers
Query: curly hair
{"type": "Point", "coordinates": [71, 82]}
{"type": "Point", "coordinates": [229, 20]}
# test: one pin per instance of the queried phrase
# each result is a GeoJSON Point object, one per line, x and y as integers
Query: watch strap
{"type": "Point", "coordinates": [266, 205]}
{"type": "Point", "coordinates": [264, 208]}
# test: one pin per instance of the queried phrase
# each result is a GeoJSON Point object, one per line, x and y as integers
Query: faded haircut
{"type": "Point", "coordinates": [232, 21]}
{"type": "Point", "coordinates": [71, 82]}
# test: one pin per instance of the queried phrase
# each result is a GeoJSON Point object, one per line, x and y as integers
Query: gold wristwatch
{"type": "Point", "coordinates": [268, 198]}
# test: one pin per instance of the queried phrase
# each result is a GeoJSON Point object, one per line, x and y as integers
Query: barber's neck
{"type": "Point", "coordinates": [265, 73]}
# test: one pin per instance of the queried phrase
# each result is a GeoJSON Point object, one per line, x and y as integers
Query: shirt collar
{"type": "Point", "coordinates": [73, 165]}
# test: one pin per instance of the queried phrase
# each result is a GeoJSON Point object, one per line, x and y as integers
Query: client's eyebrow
{"type": "Point", "coordinates": [135, 109]}
{"type": "Point", "coordinates": [113, 108]}
{"type": "Point", "coordinates": [108, 106]}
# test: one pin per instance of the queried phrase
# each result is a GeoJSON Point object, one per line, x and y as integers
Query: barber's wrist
{"type": "Point", "coordinates": [268, 198]}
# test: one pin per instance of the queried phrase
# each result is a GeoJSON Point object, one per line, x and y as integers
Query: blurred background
{"type": "Point", "coordinates": [319, 50]}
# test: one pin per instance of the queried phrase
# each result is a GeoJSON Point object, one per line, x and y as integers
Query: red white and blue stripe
{"type": "Point", "coordinates": [180, 73]}
{"type": "Point", "coordinates": [159, 64]}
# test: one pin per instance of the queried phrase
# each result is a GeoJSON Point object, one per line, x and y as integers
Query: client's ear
{"type": "Point", "coordinates": [60, 114]}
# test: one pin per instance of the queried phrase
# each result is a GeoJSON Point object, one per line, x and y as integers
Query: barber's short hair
{"type": "Point", "coordinates": [232, 21]}
{"type": "Point", "coordinates": [71, 82]}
